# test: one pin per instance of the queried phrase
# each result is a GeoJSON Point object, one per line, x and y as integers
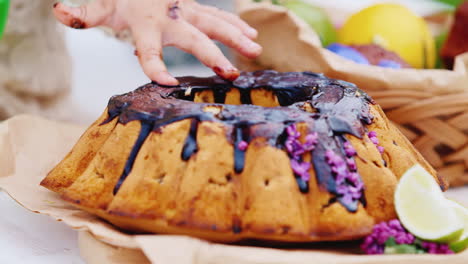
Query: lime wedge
{"type": "Point", "coordinates": [423, 210]}
{"type": "Point", "coordinates": [462, 242]}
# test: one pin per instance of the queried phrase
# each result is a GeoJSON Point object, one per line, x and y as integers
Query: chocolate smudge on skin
{"type": "Point", "coordinates": [77, 24]}
{"type": "Point", "coordinates": [173, 10]}
{"type": "Point", "coordinates": [229, 74]}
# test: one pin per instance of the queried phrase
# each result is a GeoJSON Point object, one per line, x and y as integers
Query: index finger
{"type": "Point", "coordinates": [149, 51]}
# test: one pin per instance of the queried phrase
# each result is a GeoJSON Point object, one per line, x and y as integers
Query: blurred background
{"type": "Point", "coordinates": [32, 58]}
{"type": "Point", "coordinates": [61, 73]}
{"type": "Point", "coordinates": [93, 51]}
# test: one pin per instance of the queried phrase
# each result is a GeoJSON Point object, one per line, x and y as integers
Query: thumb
{"type": "Point", "coordinates": [85, 16]}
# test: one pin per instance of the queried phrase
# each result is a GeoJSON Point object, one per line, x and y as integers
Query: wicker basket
{"type": "Point", "coordinates": [429, 106]}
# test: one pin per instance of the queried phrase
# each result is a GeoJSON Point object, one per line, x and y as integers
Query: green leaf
{"type": "Point", "coordinates": [390, 242]}
{"type": "Point", "coordinates": [401, 249]}
{"type": "Point", "coordinates": [452, 4]}
{"type": "Point", "coordinates": [391, 247]}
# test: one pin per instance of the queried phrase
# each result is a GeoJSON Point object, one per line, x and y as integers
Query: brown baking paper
{"type": "Point", "coordinates": [31, 146]}
{"type": "Point", "coordinates": [430, 106]}
{"type": "Point", "coordinates": [290, 44]}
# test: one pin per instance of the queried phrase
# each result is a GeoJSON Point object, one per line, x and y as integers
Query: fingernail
{"type": "Point", "coordinates": [254, 46]}
{"type": "Point", "coordinates": [252, 32]}
{"type": "Point", "coordinates": [229, 73]}
{"type": "Point", "coordinates": [251, 49]}
{"type": "Point", "coordinates": [77, 24]}
{"type": "Point", "coordinates": [165, 78]}
{"type": "Point", "coordinates": [250, 45]}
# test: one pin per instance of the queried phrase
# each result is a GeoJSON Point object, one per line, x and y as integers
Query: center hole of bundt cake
{"type": "Point", "coordinates": [235, 96]}
{"type": "Point", "coordinates": [260, 97]}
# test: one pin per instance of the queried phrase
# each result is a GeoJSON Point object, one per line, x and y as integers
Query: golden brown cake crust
{"type": "Point", "coordinates": [185, 176]}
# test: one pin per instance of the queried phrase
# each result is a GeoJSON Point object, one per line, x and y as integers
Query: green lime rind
{"type": "Point", "coordinates": [459, 246]}
{"type": "Point", "coordinates": [4, 5]}
{"type": "Point", "coordinates": [424, 211]}
{"type": "Point", "coordinates": [316, 18]}
{"type": "Point", "coordinates": [450, 238]}
{"type": "Point", "coordinates": [462, 243]}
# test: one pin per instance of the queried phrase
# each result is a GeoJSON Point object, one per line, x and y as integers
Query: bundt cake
{"type": "Point", "coordinates": [290, 157]}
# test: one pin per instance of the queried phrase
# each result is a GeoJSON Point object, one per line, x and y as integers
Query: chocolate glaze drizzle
{"type": "Point", "coordinates": [146, 128]}
{"type": "Point", "coordinates": [190, 145]}
{"type": "Point", "coordinates": [339, 108]}
{"type": "Point", "coordinates": [240, 134]}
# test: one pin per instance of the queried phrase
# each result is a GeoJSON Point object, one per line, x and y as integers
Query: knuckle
{"type": "Point", "coordinates": [83, 13]}
{"type": "Point", "coordinates": [196, 39]}
{"type": "Point", "coordinates": [148, 53]}
{"type": "Point", "coordinates": [79, 21]}
{"type": "Point", "coordinates": [196, 19]}
{"type": "Point", "coordinates": [237, 38]}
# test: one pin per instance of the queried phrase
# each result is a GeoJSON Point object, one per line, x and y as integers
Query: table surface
{"type": "Point", "coordinates": [26, 237]}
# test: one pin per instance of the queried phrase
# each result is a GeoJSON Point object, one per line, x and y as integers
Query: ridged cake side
{"type": "Point", "coordinates": [175, 187]}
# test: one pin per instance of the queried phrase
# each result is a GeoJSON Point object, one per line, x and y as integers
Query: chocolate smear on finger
{"type": "Point", "coordinates": [173, 10]}
{"type": "Point", "coordinates": [77, 24]}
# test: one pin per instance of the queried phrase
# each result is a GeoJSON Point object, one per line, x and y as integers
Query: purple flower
{"type": "Point", "coordinates": [292, 131]}
{"type": "Point", "coordinates": [354, 178]}
{"type": "Point", "coordinates": [242, 145]}
{"type": "Point", "coordinates": [351, 164]}
{"type": "Point", "coordinates": [375, 243]}
{"type": "Point", "coordinates": [373, 138]}
{"type": "Point", "coordinates": [310, 141]}
{"type": "Point", "coordinates": [296, 148]}
{"type": "Point", "coordinates": [333, 159]}
{"type": "Point", "coordinates": [381, 149]}
{"type": "Point", "coordinates": [349, 185]}
{"type": "Point", "coordinates": [435, 248]}
{"type": "Point", "coordinates": [340, 171]}
{"type": "Point", "coordinates": [347, 198]}
{"type": "Point", "coordinates": [372, 134]}
{"type": "Point", "coordinates": [349, 149]}
{"type": "Point", "coordinates": [301, 169]}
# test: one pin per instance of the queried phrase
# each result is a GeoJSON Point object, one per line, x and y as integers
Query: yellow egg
{"type": "Point", "coordinates": [395, 28]}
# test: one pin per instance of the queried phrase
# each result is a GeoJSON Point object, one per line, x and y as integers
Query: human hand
{"type": "Point", "coordinates": [157, 23]}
